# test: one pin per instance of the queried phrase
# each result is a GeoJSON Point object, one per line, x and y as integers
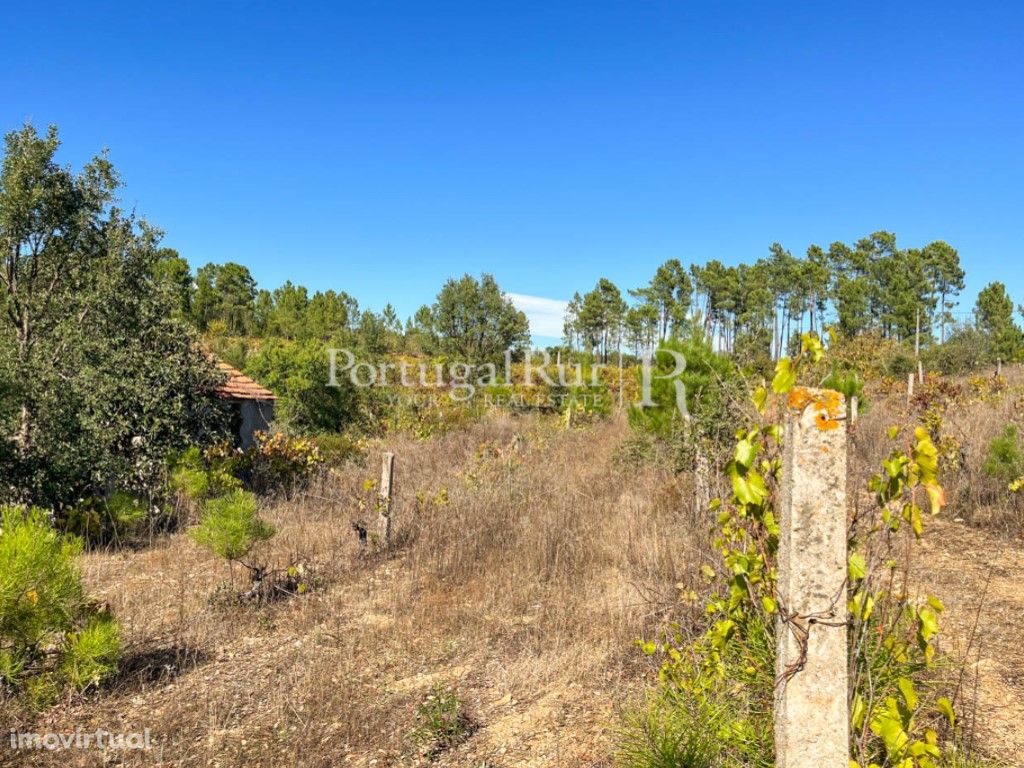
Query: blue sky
{"type": "Point", "coordinates": [381, 147]}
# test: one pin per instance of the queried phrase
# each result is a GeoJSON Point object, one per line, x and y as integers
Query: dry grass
{"type": "Point", "coordinates": [527, 559]}
{"type": "Point", "coordinates": [970, 555]}
{"type": "Point", "coordinates": [526, 562]}
{"type": "Point", "coordinates": [970, 422]}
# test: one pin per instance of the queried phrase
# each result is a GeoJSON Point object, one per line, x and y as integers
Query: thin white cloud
{"type": "Point", "coordinates": [546, 316]}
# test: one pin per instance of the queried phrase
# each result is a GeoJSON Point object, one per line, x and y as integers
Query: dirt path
{"type": "Point", "coordinates": [980, 578]}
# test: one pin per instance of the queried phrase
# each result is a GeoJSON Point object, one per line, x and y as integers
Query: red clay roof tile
{"type": "Point", "coordinates": [240, 387]}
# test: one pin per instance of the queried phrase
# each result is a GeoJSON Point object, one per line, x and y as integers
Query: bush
{"type": "Point", "coordinates": [197, 479]}
{"type": "Point", "coordinates": [336, 449]}
{"type": "Point", "coordinates": [98, 520]}
{"type": "Point", "coordinates": [1005, 461]}
{"type": "Point", "coordinates": [280, 462]}
{"type": "Point", "coordinates": [901, 365]}
{"type": "Point", "coordinates": [298, 373]}
{"type": "Point", "coordinates": [669, 732]}
{"type": "Point", "coordinates": [713, 706]}
{"type": "Point", "coordinates": [47, 628]}
{"type": "Point", "coordinates": [710, 387]}
{"type": "Point", "coordinates": [91, 653]}
{"type": "Point", "coordinates": [442, 722]}
{"type": "Point", "coordinates": [966, 350]}
{"type": "Point", "coordinates": [229, 526]}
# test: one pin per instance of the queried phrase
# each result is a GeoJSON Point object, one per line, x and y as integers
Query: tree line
{"type": "Point", "coordinates": [756, 310]}
{"type": "Point", "coordinates": [105, 334]}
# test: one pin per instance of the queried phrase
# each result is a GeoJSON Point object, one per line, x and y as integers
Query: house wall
{"type": "Point", "coordinates": [257, 416]}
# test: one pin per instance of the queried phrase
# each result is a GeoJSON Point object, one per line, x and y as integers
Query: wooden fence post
{"type": "Point", "coordinates": [811, 710]}
{"type": "Point", "coordinates": [387, 477]}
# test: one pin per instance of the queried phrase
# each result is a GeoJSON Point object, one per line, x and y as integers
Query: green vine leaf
{"type": "Point", "coordinates": [785, 376]}
{"type": "Point", "coordinates": [857, 566]}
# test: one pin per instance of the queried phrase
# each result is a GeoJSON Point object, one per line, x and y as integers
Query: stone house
{"type": "Point", "coordinates": [252, 406]}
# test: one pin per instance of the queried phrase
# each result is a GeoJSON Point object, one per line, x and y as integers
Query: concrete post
{"type": "Point", "coordinates": [811, 710]}
{"type": "Point", "coordinates": [910, 388]}
{"type": "Point", "coordinates": [920, 372]}
{"type": "Point", "coordinates": [854, 410]}
{"type": "Point", "coordinates": [387, 476]}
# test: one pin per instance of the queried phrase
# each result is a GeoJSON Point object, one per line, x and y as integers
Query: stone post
{"type": "Point", "coordinates": [811, 710]}
{"type": "Point", "coordinates": [387, 476]}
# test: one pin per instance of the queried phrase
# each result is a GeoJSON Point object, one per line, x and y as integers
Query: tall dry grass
{"type": "Point", "coordinates": [526, 560]}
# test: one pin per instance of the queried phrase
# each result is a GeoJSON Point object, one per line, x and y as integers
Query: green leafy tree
{"type": "Point", "coordinates": [669, 295]}
{"type": "Point", "coordinates": [225, 293]}
{"type": "Point", "coordinates": [419, 332]}
{"type": "Point", "coordinates": [942, 264]}
{"type": "Point", "coordinates": [601, 316]}
{"type": "Point", "coordinates": [172, 273]}
{"type": "Point", "coordinates": [474, 321]}
{"type": "Point", "coordinates": [106, 381]}
{"type": "Point", "coordinates": [49, 222]}
{"type": "Point", "coordinates": [641, 325]}
{"type": "Point", "coordinates": [994, 315]}
{"type": "Point", "coordinates": [288, 317]}
{"type": "Point", "coordinates": [298, 373]}
{"type": "Point", "coordinates": [330, 315]}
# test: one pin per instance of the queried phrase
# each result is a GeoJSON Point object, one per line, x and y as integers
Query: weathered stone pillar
{"type": "Point", "coordinates": [387, 477]}
{"type": "Point", "coordinates": [811, 710]}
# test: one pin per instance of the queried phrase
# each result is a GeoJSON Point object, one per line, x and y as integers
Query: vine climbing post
{"type": "Point", "coordinates": [387, 477]}
{"type": "Point", "coordinates": [811, 709]}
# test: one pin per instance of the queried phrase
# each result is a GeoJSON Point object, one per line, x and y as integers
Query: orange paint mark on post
{"type": "Point", "coordinates": [828, 405]}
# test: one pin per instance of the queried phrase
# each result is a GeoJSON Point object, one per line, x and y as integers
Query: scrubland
{"type": "Point", "coordinates": [527, 558]}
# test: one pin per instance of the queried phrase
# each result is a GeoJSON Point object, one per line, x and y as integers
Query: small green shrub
{"type": "Point", "coordinates": [442, 722]}
{"type": "Point", "coordinates": [707, 392]}
{"type": "Point", "coordinates": [900, 365]}
{"type": "Point", "coordinates": [48, 631]}
{"type": "Point", "coordinates": [198, 479]}
{"type": "Point", "coordinates": [336, 449]}
{"type": "Point", "coordinates": [280, 462]}
{"type": "Point", "coordinates": [1005, 461]}
{"type": "Point", "coordinates": [584, 404]}
{"type": "Point", "coordinates": [99, 520]}
{"type": "Point", "coordinates": [671, 730]}
{"type": "Point", "coordinates": [230, 527]}
{"type": "Point", "coordinates": [91, 654]}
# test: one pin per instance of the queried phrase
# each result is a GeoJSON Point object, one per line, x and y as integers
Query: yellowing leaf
{"type": "Point", "coordinates": [946, 708]}
{"type": "Point", "coordinates": [760, 398]}
{"type": "Point", "coordinates": [785, 376]}
{"type": "Point", "coordinates": [936, 495]}
{"type": "Point", "coordinates": [906, 687]}
{"type": "Point", "coordinates": [857, 566]}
